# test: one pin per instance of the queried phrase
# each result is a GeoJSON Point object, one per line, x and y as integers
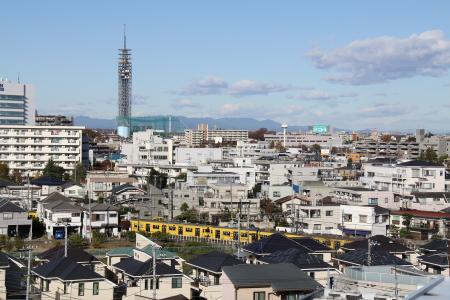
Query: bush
{"type": "Point", "coordinates": [19, 243]}
{"type": "Point", "coordinates": [77, 241]}
{"type": "Point", "coordinates": [98, 239]}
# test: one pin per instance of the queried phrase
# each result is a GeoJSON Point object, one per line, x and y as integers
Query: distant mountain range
{"type": "Point", "coordinates": [186, 122]}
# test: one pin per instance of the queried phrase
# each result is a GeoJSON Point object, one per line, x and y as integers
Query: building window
{"type": "Point", "coordinates": [176, 283]}
{"type": "Point", "coordinates": [362, 218]}
{"type": "Point", "coordinates": [347, 218]}
{"type": "Point", "coordinates": [81, 289]}
{"type": "Point", "coordinates": [95, 288]}
{"type": "Point", "coordinates": [7, 216]}
{"type": "Point", "coordinates": [47, 285]}
{"type": "Point", "coordinates": [328, 213]}
{"type": "Point", "coordinates": [317, 227]}
{"type": "Point", "coordinates": [373, 201]}
{"type": "Point", "coordinates": [151, 284]}
{"type": "Point", "coordinates": [65, 288]}
{"type": "Point", "coordinates": [259, 295]}
{"type": "Point", "coordinates": [146, 284]}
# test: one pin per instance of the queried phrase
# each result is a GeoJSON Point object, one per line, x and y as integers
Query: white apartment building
{"type": "Point", "coordinates": [364, 220]}
{"type": "Point", "coordinates": [197, 156]}
{"type": "Point", "coordinates": [101, 183]}
{"type": "Point", "coordinates": [16, 103]}
{"type": "Point", "coordinates": [147, 148]}
{"type": "Point", "coordinates": [404, 178]}
{"type": "Point", "coordinates": [249, 149]}
{"type": "Point", "coordinates": [206, 175]}
{"type": "Point", "coordinates": [371, 148]}
{"type": "Point", "coordinates": [353, 195]}
{"type": "Point", "coordinates": [29, 148]}
{"type": "Point", "coordinates": [196, 137]}
{"type": "Point", "coordinates": [295, 139]}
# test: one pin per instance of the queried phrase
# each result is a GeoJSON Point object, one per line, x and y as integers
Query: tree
{"type": "Point", "coordinates": [190, 215]}
{"type": "Point", "coordinates": [407, 221]}
{"type": "Point", "coordinates": [78, 174]}
{"type": "Point", "coordinates": [38, 228]}
{"type": "Point", "coordinates": [394, 231]}
{"type": "Point", "coordinates": [98, 239]}
{"type": "Point", "coordinates": [279, 147]}
{"type": "Point", "coordinates": [269, 208]}
{"type": "Point", "coordinates": [258, 134]}
{"type": "Point", "coordinates": [349, 163]}
{"type": "Point", "coordinates": [53, 170]}
{"type": "Point", "coordinates": [16, 176]}
{"type": "Point", "coordinates": [316, 148]}
{"type": "Point", "coordinates": [184, 207]}
{"type": "Point", "coordinates": [386, 138]}
{"type": "Point", "coordinates": [429, 155]}
{"type": "Point", "coordinates": [4, 171]}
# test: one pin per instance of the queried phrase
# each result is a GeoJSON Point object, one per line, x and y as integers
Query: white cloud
{"type": "Point", "coordinates": [249, 87]}
{"type": "Point", "coordinates": [386, 58]}
{"type": "Point", "coordinates": [385, 110]}
{"type": "Point", "coordinates": [213, 85]}
{"type": "Point", "coordinates": [184, 103]}
{"type": "Point", "coordinates": [319, 95]}
{"type": "Point", "coordinates": [205, 86]}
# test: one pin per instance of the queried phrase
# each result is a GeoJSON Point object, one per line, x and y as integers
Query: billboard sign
{"type": "Point", "coordinates": [320, 129]}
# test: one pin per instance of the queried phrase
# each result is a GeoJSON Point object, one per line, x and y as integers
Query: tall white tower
{"type": "Point", "coordinates": [284, 126]}
{"type": "Point", "coordinates": [124, 99]}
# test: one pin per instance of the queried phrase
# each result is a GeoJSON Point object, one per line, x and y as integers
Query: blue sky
{"type": "Point", "coordinates": [351, 64]}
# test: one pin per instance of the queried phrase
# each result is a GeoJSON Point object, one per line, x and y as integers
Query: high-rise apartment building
{"type": "Point", "coordinates": [203, 134]}
{"type": "Point", "coordinates": [29, 148]}
{"type": "Point", "coordinates": [16, 103]}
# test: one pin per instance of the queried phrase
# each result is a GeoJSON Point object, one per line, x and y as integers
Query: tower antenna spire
{"type": "Point", "coordinates": [124, 36]}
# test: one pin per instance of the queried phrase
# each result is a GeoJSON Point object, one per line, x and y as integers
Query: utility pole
{"type": "Point", "coordinates": [90, 221]}
{"type": "Point", "coordinates": [65, 240]}
{"type": "Point", "coordinates": [239, 228]}
{"type": "Point", "coordinates": [28, 274]}
{"type": "Point", "coordinates": [171, 204]}
{"type": "Point", "coordinates": [30, 205]}
{"type": "Point", "coordinates": [154, 272]}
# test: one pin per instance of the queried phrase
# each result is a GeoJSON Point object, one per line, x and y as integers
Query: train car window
{"type": "Point", "coordinates": [188, 229]}
{"type": "Point", "coordinates": [172, 228]}
{"type": "Point", "coordinates": [147, 227]}
{"type": "Point", "coordinates": [155, 226]}
{"type": "Point", "coordinates": [227, 233]}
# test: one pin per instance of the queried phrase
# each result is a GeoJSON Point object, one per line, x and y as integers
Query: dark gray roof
{"type": "Point", "coordinates": [302, 260]}
{"type": "Point", "coordinates": [123, 187]}
{"type": "Point", "coordinates": [66, 269]}
{"type": "Point", "coordinates": [436, 259]}
{"type": "Point", "coordinates": [379, 210]}
{"type": "Point", "coordinates": [46, 180]}
{"type": "Point", "coordinates": [4, 261]}
{"type": "Point", "coordinates": [378, 258]}
{"type": "Point", "coordinates": [419, 163]}
{"type": "Point", "coordinates": [104, 207]}
{"type": "Point", "coordinates": [5, 183]}
{"type": "Point", "coordinates": [136, 268]}
{"type": "Point", "coordinates": [214, 261]}
{"type": "Point", "coordinates": [273, 243]}
{"type": "Point", "coordinates": [435, 246]}
{"type": "Point", "coordinates": [76, 254]}
{"type": "Point", "coordinates": [381, 242]}
{"type": "Point", "coordinates": [354, 188]}
{"type": "Point", "coordinates": [281, 277]}
{"type": "Point", "coordinates": [312, 244]}
{"type": "Point", "coordinates": [61, 205]}
{"type": "Point", "coordinates": [8, 206]}
{"type": "Point", "coordinates": [55, 196]}
{"type": "Point", "coordinates": [176, 297]}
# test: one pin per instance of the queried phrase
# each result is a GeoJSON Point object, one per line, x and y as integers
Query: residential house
{"type": "Point", "coordinates": [14, 220]}
{"type": "Point", "coordinates": [60, 213]}
{"type": "Point", "coordinates": [207, 270]}
{"type": "Point", "coordinates": [48, 185]}
{"type": "Point", "coordinates": [64, 278]}
{"type": "Point", "coordinates": [12, 277]}
{"type": "Point", "coordinates": [311, 264]}
{"type": "Point", "coordinates": [126, 192]}
{"type": "Point", "coordinates": [383, 243]}
{"type": "Point", "coordinates": [421, 224]}
{"type": "Point", "coordinates": [99, 184]}
{"type": "Point", "coordinates": [74, 191]}
{"type": "Point", "coordinates": [267, 281]}
{"type": "Point", "coordinates": [105, 219]}
{"type": "Point", "coordinates": [362, 257]}
{"type": "Point", "coordinates": [364, 220]}
{"type": "Point", "coordinates": [137, 277]}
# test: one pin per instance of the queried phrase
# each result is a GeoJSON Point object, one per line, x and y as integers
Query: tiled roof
{"type": "Point", "coordinates": [45, 180]}
{"type": "Point", "coordinates": [281, 277]}
{"type": "Point", "coordinates": [66, 269]}
{"type": "Point", "coordinates": [436, 259]}
{"type": "Point", "coordinates": [136, 268]}
{"type": "Point", "coordinates": [302, 260]}
{"type": "Point", "coordinates": [435, 246]}
{"type": "Point", "coordinates": [76, 254]}
{"type": "Point", "coordinates": [160, 253]}
{"type": "Point", "coordinates": [419, 163]}
{"type": "Point", "coordinates": [380, 242]}
{"type": "Point", "coordinates": [121, 251]}
{"type": "Point", "coordinates": [378, 258]}
{"type": "Point", "coordinates": [8, 206]}
{"type": "Point", "coordinates": [422, 213]}
{"type": "Point", "coordinates": [273, 243]}
{"type": "Point", "coordinates": [312, 244]}
{"type": "Point", "coordinates": [55, 196]}
{"type": "Point", "coordinates": [104, 207]}
{"type": "Point", "coordinates": [214, 261]}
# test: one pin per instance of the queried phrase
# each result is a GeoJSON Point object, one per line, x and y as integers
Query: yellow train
{"type": "Point", "coordinates": [189, 230]}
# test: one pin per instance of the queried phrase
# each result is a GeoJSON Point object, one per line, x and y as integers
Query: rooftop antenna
{"type": "Point", "coordinates": [18, 77]}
